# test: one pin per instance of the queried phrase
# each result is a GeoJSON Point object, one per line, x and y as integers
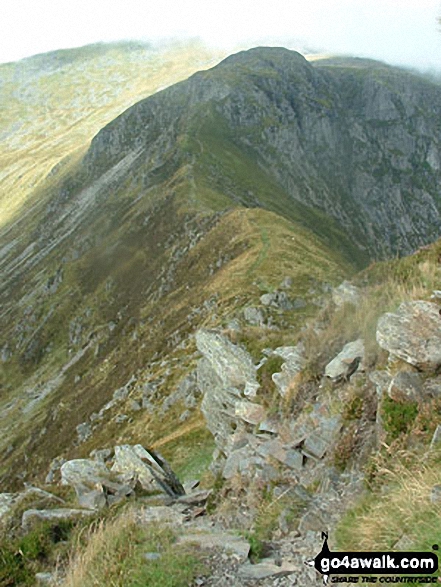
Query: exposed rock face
{"type": "Point", "coordinates": [340, 139]}
{"type": "Point", "coordinates": [232, 364]}
{"type": "Point", "coordinates": [343, 365]}
{"type": "Point", "coordinates": [227, 377]}
{"type": "Point", "coordinates": [413, 334]}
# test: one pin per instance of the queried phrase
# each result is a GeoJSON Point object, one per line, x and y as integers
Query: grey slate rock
{"type": "Point", "coordinates": [406, 386]}
{"type": "Point", "coordinates": [413, 334]}
{"type": "Point", "coordinates": [31, 517]}
{"type": "Point", "coordinates": [254, 316]}
{"type": "Point", "coordinates": [339, 366]}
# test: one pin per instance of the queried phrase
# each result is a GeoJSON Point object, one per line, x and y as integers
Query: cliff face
{"type": "Point", "coordinates": [186, 210]}
{"type": "Point", "coordinates": [358, 141]}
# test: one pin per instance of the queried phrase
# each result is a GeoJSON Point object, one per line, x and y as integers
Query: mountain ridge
{"type": "Point", "coordinates": [184, 211]}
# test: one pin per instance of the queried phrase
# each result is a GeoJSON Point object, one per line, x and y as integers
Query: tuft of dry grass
{"type": "Point", "coordinates": [101, 553]}
{"type": "Point", "coordinates": [112, 552]}
{"type": "Point", "coordinates": [401, 506]}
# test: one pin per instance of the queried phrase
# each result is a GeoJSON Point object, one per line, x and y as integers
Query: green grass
{"type": "Point", "coordinates": [22, 557]}
{"type": "Point", "coordinates": [113, 553]}
{"type": "Point", "coordinates": [397, 417]}
{"type": "Point", "coordinates": [191, 454]}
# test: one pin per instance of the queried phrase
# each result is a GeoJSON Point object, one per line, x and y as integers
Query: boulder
{"type": "Point", "coordinates": [406, 386]}
{"type": "Point", "coordinates": [128, 460]}
{"type": "Point", "coordinates": [226, 376]}
{"type": "Point", "coordinates": [92, 481]}
{"type": "Point", "coordinates": [413, 334]}
{"type": "Point", "coordinates": [151, 469]}
{"type": "Point", "coordinates": [83, 473]}
{"type": "Point", "coordinates": [10, 503]}
{"type": "Point", "coordinates": [347, 361]}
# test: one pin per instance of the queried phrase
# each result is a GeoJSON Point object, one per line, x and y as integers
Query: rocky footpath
{"type": "Point", "coordinates": [295, 457]}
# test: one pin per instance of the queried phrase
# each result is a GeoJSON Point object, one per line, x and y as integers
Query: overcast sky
{"type": "Point", "coordinates": [398, 31]}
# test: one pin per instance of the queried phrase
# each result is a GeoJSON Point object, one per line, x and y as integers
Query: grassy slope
{"type": "Point", "coordinates": [53, 104]}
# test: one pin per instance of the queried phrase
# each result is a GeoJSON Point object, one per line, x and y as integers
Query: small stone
{"type": "Point", "coordinates": [254, 316]}
{"type": "Point", "coordinates": [315, 446]}
{"type": "Point", "coordinates": [152, 556]}
{"type": "Point", "coordinates": [404, 543]}
{"type": "Point", "coordinates": [184, 416]}
{"type": "Point", "coordinates": [45, 579]}
{"type": "Point", "coordinates": [435, 494]}
{"type": "Point", "coordinates": [134, 405]}
{"type": "Point", "coordinates": [84, 431]}
{"type": "Point", "coordinates": [343, 363]}
{"type": "Point", "coordinates": [293, 459]}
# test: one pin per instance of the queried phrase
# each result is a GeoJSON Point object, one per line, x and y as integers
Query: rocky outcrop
{"type": "Point", "coordinates": [227, 378]}
{"type": "Point", "coordinates": [232, 364]}
{"type": "Point", "coordinates": [413, 334]}
{"type": "Point", "coordinates": [151, 469]}
{"type": "Point", "coordinates": [97, 486]}
{"type": "Point", "coordinates": [11, 503]}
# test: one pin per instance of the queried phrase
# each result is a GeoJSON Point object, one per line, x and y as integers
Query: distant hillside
{"type": "Point", "coordinates": [51, 105]}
